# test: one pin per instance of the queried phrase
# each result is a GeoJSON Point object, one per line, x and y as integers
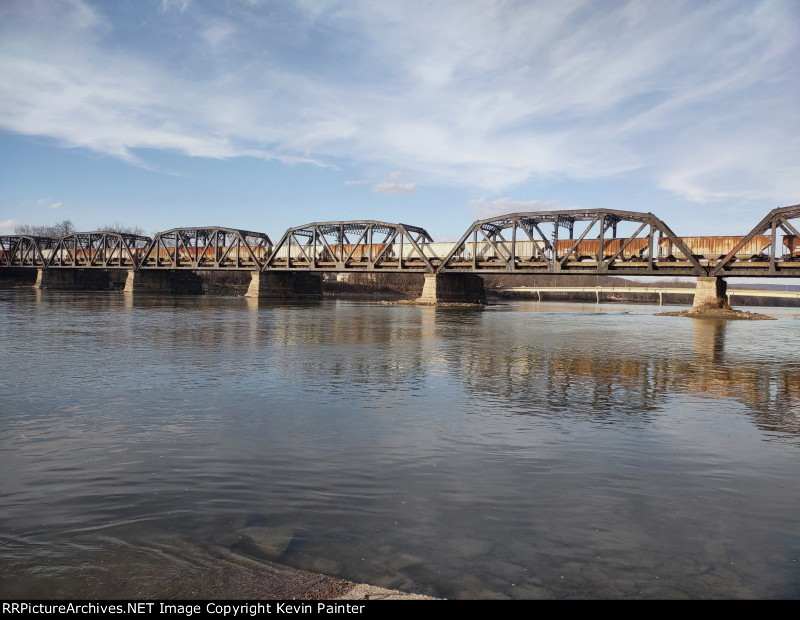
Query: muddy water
{"type": "Point", "coordinates": [177, 446]}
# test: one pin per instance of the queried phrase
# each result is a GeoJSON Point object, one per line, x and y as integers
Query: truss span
{"type": "Point", "coordinates": [207, 248]}
{"type": "Point", "coordinates": [99, 250]}
{"type": "Point", "coordinates": [25, 251]}
{"type": "Point", "coordinates": [363, 245]}
{"type": "Point", "coordinates": [594, 241]}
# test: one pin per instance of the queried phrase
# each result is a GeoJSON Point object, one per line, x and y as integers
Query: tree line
{"type": "Point", "coordinates": [66, 227]}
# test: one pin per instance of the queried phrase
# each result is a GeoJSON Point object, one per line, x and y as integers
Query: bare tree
{"type": "Point", "coordinates": [59, 229]}
{"type": "Point", "coordinates": [118, 227]}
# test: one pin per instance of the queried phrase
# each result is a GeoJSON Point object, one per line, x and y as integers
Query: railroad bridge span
{"type": "Point", "coordinates": [563, 242]}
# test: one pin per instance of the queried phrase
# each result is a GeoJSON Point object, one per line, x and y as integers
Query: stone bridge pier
{"type": "Point", "coordinates": [711, 294]}
{"type": "Point", "coordinates": [289, 285]}
{"type": "Point", "coordinates": [458, 288]}
{"type": "Point", "coordinates": [73, 279]}
{"type": "Point", "coordinates": [184, 282]}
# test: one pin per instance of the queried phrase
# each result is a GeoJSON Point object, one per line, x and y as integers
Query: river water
{"type": "Point", "coordinates": [167, 446]}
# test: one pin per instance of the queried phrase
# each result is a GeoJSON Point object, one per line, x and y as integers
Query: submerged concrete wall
{"type": "Point", "coordinates": [460, 288]}
{"type": "Point", "coordinates": [711, 293]}
{"type": "Point", "coordinates": [286, 285]}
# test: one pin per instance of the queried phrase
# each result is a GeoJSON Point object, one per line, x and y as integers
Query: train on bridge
{"type": "Point", "coordinates": [597, 240]}
{"type": "Point", "coordinates": [707, 249]}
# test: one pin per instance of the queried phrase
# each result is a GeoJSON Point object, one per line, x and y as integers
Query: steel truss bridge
{"type": "Point", "coordinates": [596, 241]}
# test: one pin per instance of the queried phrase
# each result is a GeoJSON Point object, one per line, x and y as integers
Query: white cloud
{"type": "Point", "coordinates": [180, 5]}
{"type": "Point", "coordinates": [393, 186]}
{"type": "Point", "coordinates": [692, 97]}
{"type": "Point", "coordinates": [356, 182]}
{"type": "Point", "coordinates": [7, 226]}
{"type": "Point", "coordinates": [484, 209]}
{"type": "Point", "coordinates": [48, 202]}
{"type": "Point", "coordinates": [217, 33]}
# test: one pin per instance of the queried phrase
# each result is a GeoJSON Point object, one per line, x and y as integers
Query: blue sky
{"type": "Point", "coordinates": [264, 115]}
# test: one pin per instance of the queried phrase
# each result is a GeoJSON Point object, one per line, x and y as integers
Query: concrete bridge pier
{"type": "Point", "coordinates": [711, 293]}
{"type": "Point", "coordinates": [287, 285]}
{"type": "Point", "coordinates": [460, 288]}
{"type": "Point", "coordinates": [73, 279]}
{"type": "Point", "coordinates": [148, 282]}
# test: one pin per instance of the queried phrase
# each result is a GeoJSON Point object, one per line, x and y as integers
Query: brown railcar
{"type": "Point", "coordinates": [588, 249]}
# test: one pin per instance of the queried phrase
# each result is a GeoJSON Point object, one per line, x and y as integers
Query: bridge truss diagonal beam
{"type": "Point", "coordinates": [210, 247]}
{"type": "Point", "coordinates": [357, 245]}
{"type": "Point", "coordinates": [783, 254]}
{"type": "Point", "coordinates": [532, 242]}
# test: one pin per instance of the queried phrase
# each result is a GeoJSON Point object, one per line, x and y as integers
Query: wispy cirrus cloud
{"type": "Point", "coordinates": [694, 98]}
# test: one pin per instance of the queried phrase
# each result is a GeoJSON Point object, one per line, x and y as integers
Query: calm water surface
{"type": "Point", "coordinates": [158, 446]}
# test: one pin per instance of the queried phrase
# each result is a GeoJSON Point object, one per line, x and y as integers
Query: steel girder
{"type": "Point", "coordinates": [25, 251]}
{"type": "Point", "coordinates": [519, 243]}
{"type": "Point", "coordinates": [364, 245]}
{"type": "Point", "coordinates": [98, 250]}
{"type": "Point", "coordinates": [785, 263]}
{"type": "Point", "coordinates": [211, 247]}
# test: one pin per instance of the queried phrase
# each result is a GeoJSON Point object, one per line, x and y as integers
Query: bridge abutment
{"type": "Point", "coordinates": [460, 288]}
{"type": "Point", "coordinates": [285, 285]}
{"type": "Point", "coordinates": [711, 293]}
{"type": "Point", "coordinates": [73, 279]}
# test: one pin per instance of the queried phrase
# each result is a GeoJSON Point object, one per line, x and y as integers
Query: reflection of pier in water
{"type": "Point", "coordinates": [613, 384]}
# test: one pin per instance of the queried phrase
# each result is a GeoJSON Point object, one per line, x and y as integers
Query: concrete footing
{"type": "Point", "coordinates": [459, 288]}
{"type": "Point", "coordinates": [711, 293]}
{"type": "Point", "coordinates": [73, 279]}
{"type": "Point", "coordinates": [285, 285]}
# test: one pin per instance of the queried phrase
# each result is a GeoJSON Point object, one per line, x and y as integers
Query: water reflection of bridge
{"type": "Point", "coordinates": [533, 373]}
{"type": "Point", "coordinates": [614, 383]}
{"type": "Point", "coordinates": [595, 242]}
